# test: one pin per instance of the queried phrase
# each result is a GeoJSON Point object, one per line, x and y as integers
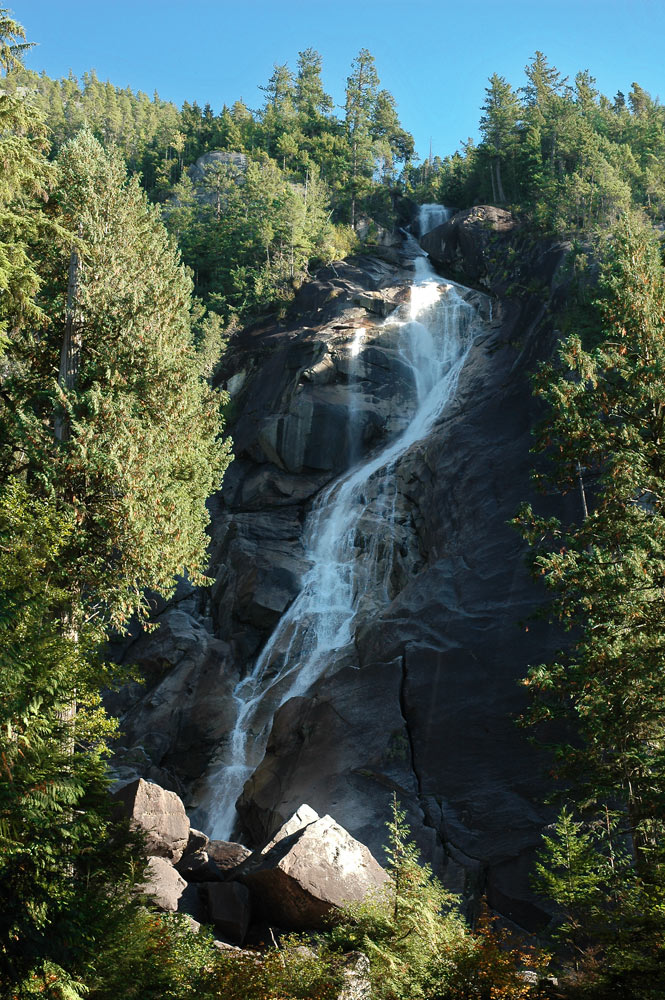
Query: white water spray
{"type": "Point", "coordinates": [430, 216]}
{"type": "Point", "coordinates": [349, 535]}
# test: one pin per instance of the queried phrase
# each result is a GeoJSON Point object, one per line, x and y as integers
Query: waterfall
{"type": "Point", "coordinates": [349, 535]}
{"type": "Point", "coordinates": [430, 216]}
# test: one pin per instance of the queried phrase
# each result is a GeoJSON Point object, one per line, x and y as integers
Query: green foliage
{"type": "Point", "coordinates": [604, 426]}
{"type": "Point", "coordinates": [249, 240]}
{"type": "Point", "coordinates": [574, 873]}
{"type": "Point", "coordinates": [109, 446]}
{"type": "Point", "coordinates": [253, 238]}
{"type": "Point", "coordinates": [604, 573]}
{"type": "Point", "coordinates": [13, 45]}
{"type": "Point", "coordinates": [62, 861]}
{"type": "Point", "coordinates": [142, 452]}
{"type": "Point", "coordinates": [150, 956]}
{"type": "Point", "coordinates": [412, 945]}
{"type": "Point", "coordinates": [561, 154]}
{"type": "Point", "coordinates": [24, 182]}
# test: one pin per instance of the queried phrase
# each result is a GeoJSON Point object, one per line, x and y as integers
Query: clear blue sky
{"type": "Point", "coordinates": [434, 55]}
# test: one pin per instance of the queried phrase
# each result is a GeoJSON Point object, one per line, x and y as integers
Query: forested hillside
{"type": "Point", "coordinates": [251, 229]}
{"type": "Point", "coordinates": [566, 156]}
{"type": "Point", "coordinates": [136, 239]}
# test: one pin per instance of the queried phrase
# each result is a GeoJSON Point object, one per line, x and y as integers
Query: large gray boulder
{"type": "Point", "coordinates": [464, 243]}
{"type": "Point", "coordinates": [159, 813]}
{"type": "Point", "coordinates": [226, 854]}
{"type": "Point", "coordinates": [198, 867]}
{"type": "Point", "coordinates": [301, 818]}
{"type": "Point", "coordinates": [163, 885]}
{"type": "Point", "coordinates": [229, 909]}
{"type": "Point", "coordinates": [309, 874]}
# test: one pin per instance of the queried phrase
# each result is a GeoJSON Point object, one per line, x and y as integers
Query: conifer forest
{"type": "Point", "coordinates": [332, 523]}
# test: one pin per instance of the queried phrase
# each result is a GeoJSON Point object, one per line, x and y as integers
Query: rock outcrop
{"type": "Point", "coordinates": [312, 867]}
{"type": "Point", "coordinates": [463, 245]}
{"type": "Point", "coordinates": [159, 814]}
{"type": "Point", "coordinates": [307, 874]}
{"type": "Point", "coordinates": [229, 909]}
{"type": "Point", "coordinates": [423, 702]}
{"type": "Point", "coordinates": [163, 884]}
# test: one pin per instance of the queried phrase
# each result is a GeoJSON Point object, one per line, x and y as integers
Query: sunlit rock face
{"type": "Point", "coordinates": [362, 635]}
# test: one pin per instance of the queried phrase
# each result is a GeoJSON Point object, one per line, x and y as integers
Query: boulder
{"type": "Point", "coordinates": [163, 884]}
{"type": "Point", "coordinates": [197, 841]}
{"type": "Point", "coordinates": [226, 854]}
{"type": "Point", "coordinates": [309, 874]}
{"type": "Point", "coordinates": [197, 867]}
{"type": "Point", "coordinates": [301, 818]}
{"type": "Point", "coordinates": [229, 908]}
{"type": "Point", "coordinates": [381, 303]}
{"type": "Point", "coordinates": [159, 813]}
{"type": "Point", "coordinates": [464, 243]}
{"type": "Point", "coordinates": [355, 977]}
{"type": "Point", "coordinates": [193, 904]}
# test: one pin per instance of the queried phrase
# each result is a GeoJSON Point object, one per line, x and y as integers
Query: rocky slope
{"type": "Point", "coordinates": [425, 701]}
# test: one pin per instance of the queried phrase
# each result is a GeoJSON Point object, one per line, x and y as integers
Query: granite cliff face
{"type": "Point", "coordinates": [422, 701]}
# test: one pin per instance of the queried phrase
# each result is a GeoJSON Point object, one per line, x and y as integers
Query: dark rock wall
{"type": "Point", "coordinates": [427, 708]}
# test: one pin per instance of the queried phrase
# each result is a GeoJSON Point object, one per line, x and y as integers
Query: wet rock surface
{"type": "Point", "coordinates": [424, 703]}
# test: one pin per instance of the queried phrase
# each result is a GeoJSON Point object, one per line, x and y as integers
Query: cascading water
{"type": "Point", "coordinates": [349, 535]}
{"type": "Point", "coordinates": [430, 216]}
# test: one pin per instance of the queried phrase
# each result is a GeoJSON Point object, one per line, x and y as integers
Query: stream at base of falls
{"type": "Point", "coordinates": [350, 531]}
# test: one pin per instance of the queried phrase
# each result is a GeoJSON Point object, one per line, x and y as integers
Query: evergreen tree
{"type": "Point", "coordinates": [24, 181]}
{"type": "Point", "coordinates": [63, 864]}
{"type": "Point", "coordinates": [311, 101]}
{"type": "Point", "coordinates": [501, 112]}
{"type": "Point", "coordinates": [413, 947]}
{"type": "Point", "coordinates": [13, 45]}
{"type": "Point", "coordinates": [605, 426]}
{"type": "Point", "coordinates": [127, 436]}
{"type": "Point", "coordinates": [361, 94]}
{"type": "Point", "coordinates": [393, 143]}
{"type": "Point", "coordinates": [571, 872]}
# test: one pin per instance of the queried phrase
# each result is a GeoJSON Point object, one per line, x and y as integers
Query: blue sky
{"type": "Point", "coordinates": [434, 55]}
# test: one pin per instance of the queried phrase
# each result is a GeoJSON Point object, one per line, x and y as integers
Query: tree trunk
{"type": "Point", "coordinates": [70, 363]}
{"type": "Point", "coordinates": [70, 352]}
{"type": "Point", "coordinates": [493, 184]}
{"type": "Point", "coordinates": [354, 172]}
{"type": "Point", "coordinates": [499, 183]}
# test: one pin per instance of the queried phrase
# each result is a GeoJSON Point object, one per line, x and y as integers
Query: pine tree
{"type": "Point", "coordinates": [65, 868]}
{"type": "Point", "coordinates": [13, 45]}
{"type": "Point", "coordinates": [311, 101]}
{"type": "Point", "coordinates": [24, 181]}
{"type": "Point", "coordinates": [571, 872]}
{"type": "Point", "coordinates": [604, 433]}
{"type": "Point", "coordinates": [128, 436]}
{"type": "Point", "coordinates": [411, 933]}
{"type": "Point", "coordinates": [501, 112]}
{"type": "Point", "coordinates": [361, 93]}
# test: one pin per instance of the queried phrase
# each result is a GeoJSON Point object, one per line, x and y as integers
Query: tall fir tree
{"type": "Point", "coordinates": [604, 432]}
{"type": "Point", "coordinates": [127, 435]}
